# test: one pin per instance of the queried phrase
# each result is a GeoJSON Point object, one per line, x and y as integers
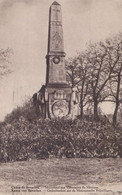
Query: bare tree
{"type": "Point", "coordinates": [101, 66]}
{"type": "Point", "coordinates": [118, 98]}
{"type": "Point", "coordinates": [115, 83]}
{"type": "Point", "coordinates": [97, 74]}
{"type": "Point", "coordinates": [71, 72]}
{"type": "Point", "coordinates": [77, 76]}
{"type": "Point", "coordinates": [4, 62]}
{"type": "Point", "coordinates": [83, 85]}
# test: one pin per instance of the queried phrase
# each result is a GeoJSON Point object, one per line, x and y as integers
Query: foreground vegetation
{"type": "Point", "coordinates": [23, 136]}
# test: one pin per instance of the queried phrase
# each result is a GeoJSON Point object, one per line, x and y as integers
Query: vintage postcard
{"type": "Point", "coordinates": [60, 97]}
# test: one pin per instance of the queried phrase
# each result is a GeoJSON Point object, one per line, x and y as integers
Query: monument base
{"type": "Point", "coordinates": [57, 101]}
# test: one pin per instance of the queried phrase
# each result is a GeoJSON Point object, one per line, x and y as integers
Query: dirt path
{"type": "Point", "coordinates": [88, 173]}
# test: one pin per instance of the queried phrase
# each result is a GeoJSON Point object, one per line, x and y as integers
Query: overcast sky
{"type": "Point", "coordinates": [24, 28]}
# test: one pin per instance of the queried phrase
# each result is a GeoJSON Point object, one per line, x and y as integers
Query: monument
{"type": "Point", "coordinates": [55, 98]}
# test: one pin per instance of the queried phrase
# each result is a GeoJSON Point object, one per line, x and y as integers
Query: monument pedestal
{"type": "Point", "coordinates": [57, 102]}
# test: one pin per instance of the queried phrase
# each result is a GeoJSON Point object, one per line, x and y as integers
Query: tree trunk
{"type": "Point", "coordinates": [117, 99]}
{"type": "Point", "coordinates": [115, 114]}
{"type": "Point", "coordinates": [81, 109]}
{"type": "Point", "coordinates": [95, 109]}
{"type": "Point", "coordinates": [81, 99]}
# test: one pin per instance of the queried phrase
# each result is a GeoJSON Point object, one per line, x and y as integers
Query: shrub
{"type": "Point", "coordinates": [23, 139]}
{"type": "Point", "coordinates": [24, 136]}
{"type": "Point", "coordinates": [27, 111]}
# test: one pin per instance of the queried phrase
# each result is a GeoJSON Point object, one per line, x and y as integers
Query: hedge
{"type": "Point", "coordinates": [22, 139]}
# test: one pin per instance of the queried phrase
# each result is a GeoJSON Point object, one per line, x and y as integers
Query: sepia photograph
{"type": "Point", "coordinates": [60, 97]}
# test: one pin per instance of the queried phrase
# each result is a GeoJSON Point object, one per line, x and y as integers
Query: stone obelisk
{"type": "Point", "coordinates": [57, 92]}
{"type": "Point", "coordinates": [56, 73]}
{"type": "Point", "coordinates": [54, 98]}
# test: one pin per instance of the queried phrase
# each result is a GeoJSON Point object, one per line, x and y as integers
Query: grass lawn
{"type": "Point", "coordinates": [63, 172]}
